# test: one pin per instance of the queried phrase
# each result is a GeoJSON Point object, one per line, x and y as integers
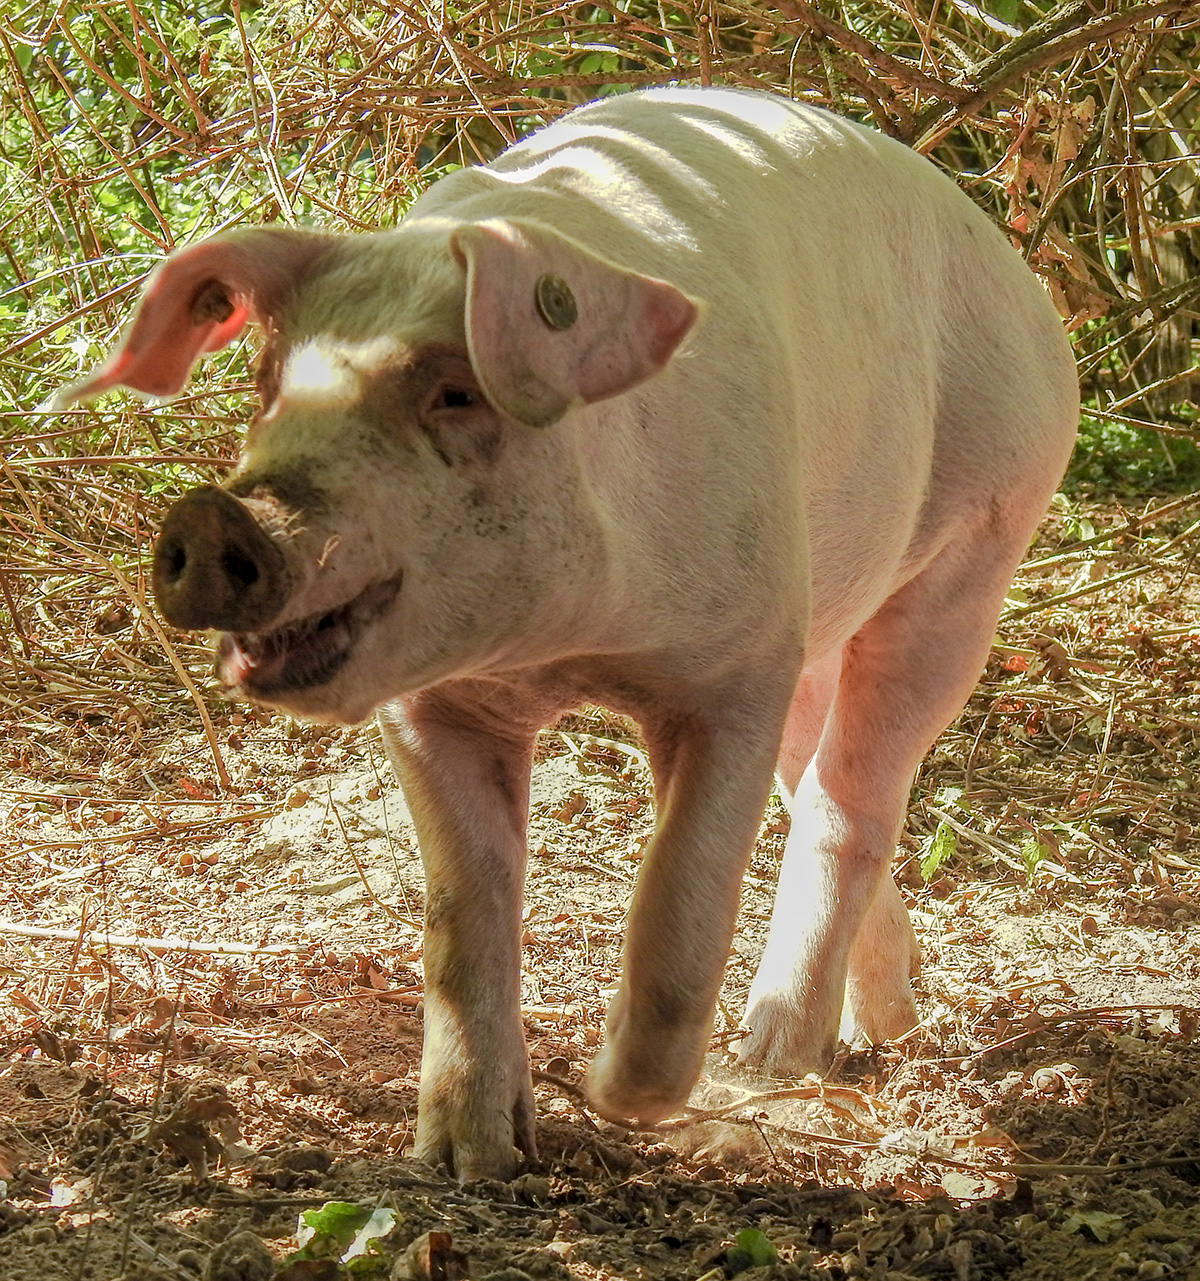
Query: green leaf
{"type": "Point", "coordinates": [341, 1230]}
{"type": "Point", "coordinates": [942, 847]}
{"type": "Point", "coordinates": [538, 63]}
{"type": "Point", "coordinates": [1032, 853]}
{"type": "Point", "coordinates": [1006, 10]}
{"type": "Point", "coordinates": [336, 1220]}
{"type": "Point", "coordinates": [751, 1249]}
{"type": "Point", "coordinates": [599, 61]}
{"type": "Point", "coordinates": [363, 1246]}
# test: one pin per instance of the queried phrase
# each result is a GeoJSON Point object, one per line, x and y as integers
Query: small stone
{"type": "Point", "coordinates": [240, 1257]}
{"type": "Point", "coordinates": [1048, 1081]}
{"type": "Point", "coordinates": [547, 1264]}
{"type": "Point", "coordinates": [302, 1160]}
{"type": "Point", "coordinates": [531, 1187]}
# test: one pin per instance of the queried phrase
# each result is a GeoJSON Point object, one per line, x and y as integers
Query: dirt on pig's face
{"type": "Point", "coordinates": [422, 532]}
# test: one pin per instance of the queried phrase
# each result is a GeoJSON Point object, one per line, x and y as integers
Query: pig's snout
{"type": "Point", "coordinates": [214, 567]}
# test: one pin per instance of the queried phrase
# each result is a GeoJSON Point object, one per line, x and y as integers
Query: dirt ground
{"type": "Point", "coordinates": [210, 996]}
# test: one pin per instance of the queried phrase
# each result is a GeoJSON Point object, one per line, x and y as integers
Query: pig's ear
{"type": "Point", "coordinates": [551, 326]}
{"type": "Point", "coordinates": [199, 300]}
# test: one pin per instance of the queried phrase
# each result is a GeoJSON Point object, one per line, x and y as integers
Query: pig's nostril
{"type": "Point", "coordinates": [215, 567]}
{"type": "Point", "coordinates": [239, 569]}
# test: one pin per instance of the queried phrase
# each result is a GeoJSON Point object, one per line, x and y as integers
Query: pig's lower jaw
{"type": "Point", "coordinates": [305, 654]}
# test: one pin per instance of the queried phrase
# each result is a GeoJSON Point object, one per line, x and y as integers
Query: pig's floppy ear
{"type": "Point", "coordinates": [199, 300]}
{"type": "Point", "coordinates": [551, 326]}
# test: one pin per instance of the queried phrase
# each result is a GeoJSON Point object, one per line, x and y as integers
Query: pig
{"type": "Point", "coordinates": [701, 404]}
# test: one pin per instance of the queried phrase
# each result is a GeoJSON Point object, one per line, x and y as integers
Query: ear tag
{"type": "Point", "coordinates": [555, 302]}
{"type": "Point", "coordinates": [211, 303]}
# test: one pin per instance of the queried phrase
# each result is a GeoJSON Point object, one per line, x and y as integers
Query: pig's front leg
{"type": "Point", "coordinates": [464, 767]}
{"type": "Point", "coordinates": [712, 777]}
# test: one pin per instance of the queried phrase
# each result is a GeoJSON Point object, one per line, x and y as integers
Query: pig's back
{"type": "Point", "coordinates": [658, 179]}
{"type": "Point", "coordinates": [882, 351]}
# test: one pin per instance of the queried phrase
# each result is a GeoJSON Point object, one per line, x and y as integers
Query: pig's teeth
{"type": "Point", "coordinates": [304, 652]}
{"type": "Point", "coordinates": [235, 664]}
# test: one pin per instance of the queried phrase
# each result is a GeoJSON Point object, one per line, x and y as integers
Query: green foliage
{"type": "Point", "coordinates": [1006, 10]}
{"type": "Point", "coordinates": [751, 1249]}
{"type": "Point", "coordinates": [942, 846]}
{"type": "Point", "coordinates": [1033, 853]}
{"type": "Point", "coordinates": [1117, 457]}
{"type": "Point", "coordinates": [347, 1232]}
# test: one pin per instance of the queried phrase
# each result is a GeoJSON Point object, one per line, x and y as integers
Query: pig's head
{"type": "Point", "coordinates": [412, 502]}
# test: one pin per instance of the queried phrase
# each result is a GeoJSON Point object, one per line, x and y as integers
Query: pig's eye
{"type": "Point", "coordinates": [455, 398]}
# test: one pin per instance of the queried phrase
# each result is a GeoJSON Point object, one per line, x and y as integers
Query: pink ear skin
{"type": "Point", "coordinates": [198, 301]}
{"type": "Point", "coordinates": [536, 364]}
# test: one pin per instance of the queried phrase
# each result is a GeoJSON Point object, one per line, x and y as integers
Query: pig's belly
{"type": "Point", "coordinates": [854, 568]}
{"type": "Point", "coordinates": [839, 609]}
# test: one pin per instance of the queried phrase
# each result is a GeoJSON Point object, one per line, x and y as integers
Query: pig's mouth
{"type": "Point", "coordinates": [304, 654]}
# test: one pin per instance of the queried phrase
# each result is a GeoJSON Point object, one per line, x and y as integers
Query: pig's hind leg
{"type": "Point", "coordinates": [839, 929]}
{"type": "Point", "coordinates": [885, 952]}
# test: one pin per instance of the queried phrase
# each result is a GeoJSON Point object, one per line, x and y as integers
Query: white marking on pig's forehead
{"type": "Point", "coordinates": [329, 372]}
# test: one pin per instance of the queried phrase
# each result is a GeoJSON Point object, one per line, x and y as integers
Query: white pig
{"type": "Point", "coordinates": [701, 404]}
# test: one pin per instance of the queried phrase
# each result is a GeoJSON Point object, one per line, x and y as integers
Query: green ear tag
{"type": "Point", "coordinates": [555, 302]}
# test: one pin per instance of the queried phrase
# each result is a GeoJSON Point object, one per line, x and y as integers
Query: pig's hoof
{"type": "Point", "coordinates": [637, 1099]}
{"type": "Point", "coordinates": [876, 1017]}
{"type": "Point", "coordinates": [470, 1158]}
{"type": "Point", "coordinates": [779, 1041]}
{"type": "Point", "coordinates": [476, 1138]}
